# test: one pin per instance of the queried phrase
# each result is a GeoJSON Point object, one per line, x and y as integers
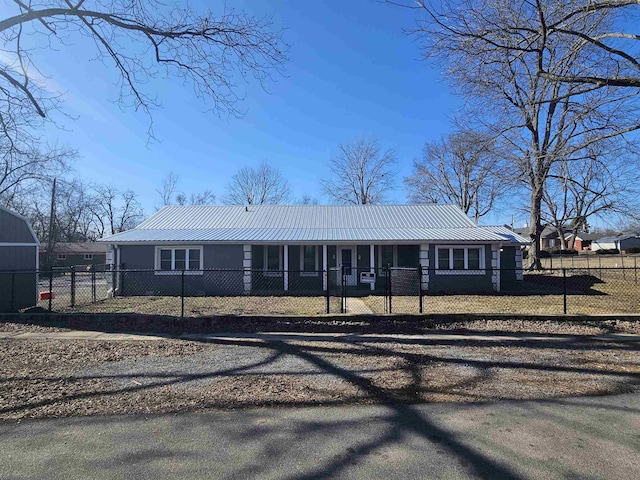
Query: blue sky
{"type": "Point", "coordinates": [352, 72]}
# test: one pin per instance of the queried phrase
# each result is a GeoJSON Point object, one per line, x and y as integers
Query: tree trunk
{"type": "Point", "coordinates": [563, 242]}
{"type": "Point", "coordinates": [535, 229]}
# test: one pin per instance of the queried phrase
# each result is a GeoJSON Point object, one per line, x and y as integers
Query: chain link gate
{"type": "Point", "coordinates": [392, 290]}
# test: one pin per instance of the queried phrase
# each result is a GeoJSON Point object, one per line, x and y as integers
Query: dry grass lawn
{"type": "Point", "coordinates": [615, 293]}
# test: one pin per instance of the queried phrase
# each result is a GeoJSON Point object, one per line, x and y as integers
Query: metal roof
{"type": "Point", "coordinates": [307, 223]}
{"type": "Point", "coordinates": [76, 248]}
{"type": "Point", "coordinates": [508, 234]}
{"type": "Point", "coordinates": [624, 236]}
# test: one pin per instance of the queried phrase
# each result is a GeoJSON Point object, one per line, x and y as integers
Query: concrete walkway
{"type": "Point", "coordinates": [357, 306]}
{"type": "Point", "coordinates": [594, 438]}
{"type": "Point", "coordinates": [315, 337]}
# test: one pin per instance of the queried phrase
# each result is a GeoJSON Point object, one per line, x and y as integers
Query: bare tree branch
{"type": "Point", "coordinates": [145, 39]}
{"type": "Point", "coordinates": [360, 173]}
{"type": "Point", "coordinates": [497, 52]}
{"type": "Point", "coordinates": [461, 169]}
{"type": "Point", "coordinates": [263, 185]}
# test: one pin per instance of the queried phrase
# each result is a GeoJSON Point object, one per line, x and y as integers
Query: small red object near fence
{"type": "Point", "coordinates": [47, 294]}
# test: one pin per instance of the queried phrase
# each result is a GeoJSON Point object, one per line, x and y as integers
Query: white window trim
{"type": "Point", "coordinates": [88, 256]}
{"type": "Point", "coordinates": [173, 248]}
{"type": "Point", "coordinates": [464, 271]}
{"type": "Point", "coordinates": [308, 273]}
{"type": "Point", "coordinates": [62, 257]}
{"type": "Point", "coordinates": [272, 273]}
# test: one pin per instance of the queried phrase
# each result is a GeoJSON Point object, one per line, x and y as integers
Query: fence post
{"type": "Point", "coordinates": [93, 284]}
{"type": "Point", "coordinates": [564, 290]}
{"type": "Point", "coordinates": [13, 289]}
{"type": "Point", "coordinates": [588, 270]}
{"type": "Point", "coordinates": [420, 287]}
{"type": "Point", "coordinates": [385, 288]}
{"type": "Point", "coordinates": [390, 291]}
{"type": "Point", "coordinates": [182, 295]}
{"type": "Point", "coordinates": [121, 276]}
{"type": "Point", "coordinates": [114, 272]}
{"type": "Point", "coordinates": [73, 285]}
{"type": "Point", "coordinates": [635, 269]}
{"type": "Point", "coordinates": [326, 292]}
{"type": "Point", "coordinates": [50, 285]}
{"type": "Point", "coordinates": [600, 265]}
{"type": "Point", "coordinates": [343, 291]}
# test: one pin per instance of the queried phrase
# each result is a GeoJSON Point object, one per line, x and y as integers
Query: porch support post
{"type": "Point", "coordinates": [495, 266]}
{"type": "Point", "coordinates": [286, 267]}
{"type": "Point", "coordinates": [324, 267]}
{"type": "Point", "coordinates": [246, 266]}
{"type": "Point", "coordinates": [424, 261]}
{"type": "Point", "coordinates": [518, 265]}
{"type": "Point", "coordinates": [372, 264]}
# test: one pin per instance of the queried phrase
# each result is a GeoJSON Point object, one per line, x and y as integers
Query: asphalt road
{"type": "Point", "coordinates": [587, 438]}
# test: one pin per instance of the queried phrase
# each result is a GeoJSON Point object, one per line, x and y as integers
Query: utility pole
{"type": "Point", "coordinates": [52, 214]}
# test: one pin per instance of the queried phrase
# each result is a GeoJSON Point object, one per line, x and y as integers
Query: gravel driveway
{"type": "Point", "coordinates": [53, 378]}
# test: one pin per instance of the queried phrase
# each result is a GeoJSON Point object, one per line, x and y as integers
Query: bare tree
{"type": "Point", "coordinates": [604, 182]}
{"type": "Point", "coordinates": [307, 199]}
{"type": "Point", "coordinates": [26, 168]}
{"type": "Point", "coordinates": [75, 221]}
{"type": "Point", "coordinates": [609, 56]}
{"type": "Point", "coordinates": [143, 40]}
{"type": "Point", "coordinates": [263, 185]}
{"type": "Point", "coordinates": [115, 211]}
{"type": "Point", "coordinates": [170, 195]}
{"type": "Point", "coordinates": [490, 49]}
{"type": "Point", "coordinates": [461, 169]}
{"type": "Point", "coordinates": [360, 173]}
{"type": "Point", "coordinates": [205, 197]}
{"type": "Point", "coordinates": [168, 189]}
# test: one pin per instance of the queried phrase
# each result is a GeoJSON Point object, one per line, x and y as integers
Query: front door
{"type": "Point", "coordinates": [347, 256]}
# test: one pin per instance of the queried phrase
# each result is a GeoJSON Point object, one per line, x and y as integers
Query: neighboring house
{"type": "Point", "coordinates": [67, 254]}
{"type": "Point", "coordinates": [304, 248]}
{"type": "Point", "coordinates": [582, 241]}
{"type": "Point", "coordinates": [549, 237]}
{"type": "Point", "coordinates": [18, 262]}
{"type": "Point", "coordinates": [622, 242]}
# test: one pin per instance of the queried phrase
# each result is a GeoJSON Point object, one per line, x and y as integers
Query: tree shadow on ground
{"type": "Point", "coordinates": [402, 416]}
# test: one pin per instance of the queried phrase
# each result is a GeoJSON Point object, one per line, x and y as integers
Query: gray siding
{"type": "Point", "coordinates": [18, 258]}
{"type": "Point", "coordinates": [137, 256]}
{"type": "Point", "coordinates": [222, 256]}
{"type": "Point", "coordinates": [215, 257]}
{"type": "Point", "coordinates": [629, 243]}
{"type": "Point", "coordinates": [17, 289]}
{"type": "Point", "coordinates": [14, 229]}
{"type": "Point", "coordinates": [459, 283]}
{"type": "Point", "coordinates": [508, 268]}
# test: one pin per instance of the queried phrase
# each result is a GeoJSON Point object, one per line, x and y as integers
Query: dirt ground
{"type": "Point", "coordinates": [53, 378]}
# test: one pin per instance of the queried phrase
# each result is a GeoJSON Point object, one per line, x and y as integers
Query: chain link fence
{"type": "Point", "coordinates": [593, 289]}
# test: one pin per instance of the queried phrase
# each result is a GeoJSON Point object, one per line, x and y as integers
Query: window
{"type": "Point", "coordinates": [386, 256]}
{"type": "Point", "coordinates": [408, 255]}
{"type": "Point", "coordinates": [273, 259]}
{"type": "Point", "coordinates": [88, 256]}
{"type": "Point", "coordinates": [62, 257]}
{"type": "Point", "coordinates": [452, 259]}
{"type": "Point", "coordinates": [309, 260]}
{"type": "Point", "coordinates": [176, 259]}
